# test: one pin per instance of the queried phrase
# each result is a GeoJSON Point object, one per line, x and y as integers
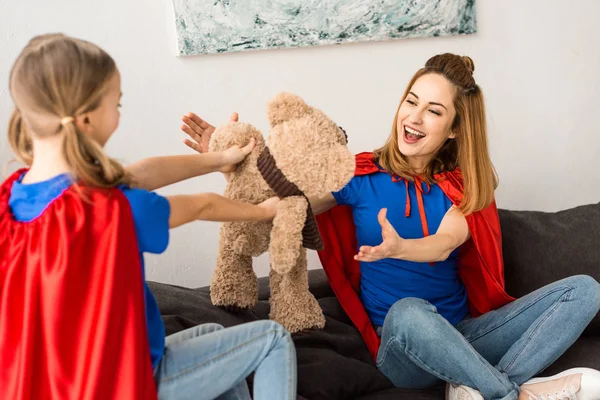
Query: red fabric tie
{"type": "Point", "coordinates": [420, 204]}
{"type": "Point", "coordinates": [419, 189]}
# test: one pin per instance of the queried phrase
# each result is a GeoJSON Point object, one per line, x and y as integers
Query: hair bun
{"type": "Point", "coordinates": [469, 63]}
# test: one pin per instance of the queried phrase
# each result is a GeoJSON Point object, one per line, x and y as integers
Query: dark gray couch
{"type": "Point", "coordinates": [539, 248]}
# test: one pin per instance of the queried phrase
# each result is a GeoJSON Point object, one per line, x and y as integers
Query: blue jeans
{"type": "Point", "coordinates": [494, 353]}
{"type": "Point", "coordinates": [210, 362]}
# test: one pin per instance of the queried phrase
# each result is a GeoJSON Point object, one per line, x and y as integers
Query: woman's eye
{"type": "Point", "coordinates": [411, 102]}
{"type": "Point", "coordinates": [435, 112]}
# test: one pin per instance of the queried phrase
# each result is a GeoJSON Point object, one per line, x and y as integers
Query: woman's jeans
{"type": "Point", "coordinates": [494, 353]}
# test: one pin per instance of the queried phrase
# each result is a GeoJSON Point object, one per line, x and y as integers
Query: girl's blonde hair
{"type": "Point", "coordinates": [468, 151]}
{"type": "Point", "coordinates": [55, 77]}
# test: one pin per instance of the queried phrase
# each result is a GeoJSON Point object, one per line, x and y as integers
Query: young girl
{"type": "Point", "coordinates": [426, 289]}
{"type": "Point", "coordinates": [73, 230]}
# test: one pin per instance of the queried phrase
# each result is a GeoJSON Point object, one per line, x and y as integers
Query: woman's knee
{"type": "Point", "coordinates": [409, 313]}
{"type": "Point", "coordinates": [591, 287]}
{"type": "Point", "coordinates": [586, 290]}
{"type": "Point", "coordinates": [586, 284]}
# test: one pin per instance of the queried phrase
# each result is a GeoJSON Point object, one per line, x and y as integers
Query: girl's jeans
{"type": "Point", "coordinates": [209, 362]}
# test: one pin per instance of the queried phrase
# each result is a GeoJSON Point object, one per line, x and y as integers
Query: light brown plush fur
{"type": "Point", "coordinates": [309, 148]}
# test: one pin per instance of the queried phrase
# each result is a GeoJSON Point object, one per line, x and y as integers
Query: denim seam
{"type": "Point", "coordinates": [566, 289]}
{"type": "Point", "coordinates": [385, 351]}
{"type": "Point", "coordinates": [292, 377]}
{"type": "Point", "coordinates": [197, 366]}
{"type": "Point", "coordinates": [551, 311]}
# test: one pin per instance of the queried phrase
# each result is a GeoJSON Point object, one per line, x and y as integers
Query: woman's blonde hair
{"type": "Point", "coordinates": [56, 77]}
{"type": "Point", "coordinates": [468, 151]}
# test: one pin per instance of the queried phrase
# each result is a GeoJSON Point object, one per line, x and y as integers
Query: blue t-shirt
{"type": "Point", "coordinates": [386, 281]}
{"type": "Point", "coordinates": [151, 214]}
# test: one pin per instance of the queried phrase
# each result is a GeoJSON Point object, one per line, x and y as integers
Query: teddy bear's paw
{"type": "Point", "coordinates": [232, 302]}
{"type": "Point", "coordinates": [303, 322]}
{"type": "Point", "coordinates": [234, 288]}
{"type": "Point", "coordinates": [297, 313]}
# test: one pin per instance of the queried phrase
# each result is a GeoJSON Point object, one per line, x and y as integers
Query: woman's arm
{"type": "Point", "coordinates": [321, 204]}
{"type": "Point", "coordinates": [451, 234]}
{"type": "Point", "coordinates": [199, 131]}
{"type": "Point", "coordinates": [156, 172]}
{"type": "Point", "coordinates": [213, 207]}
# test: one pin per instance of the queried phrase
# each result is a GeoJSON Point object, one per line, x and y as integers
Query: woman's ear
{"type": "Point", "coordinates": [452, 135]}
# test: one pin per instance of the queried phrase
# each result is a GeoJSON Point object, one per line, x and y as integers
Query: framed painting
{"type": "Point", "coordinates": [219, 26]}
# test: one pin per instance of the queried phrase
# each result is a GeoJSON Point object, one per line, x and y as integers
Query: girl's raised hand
{"type": "Point", "coordinates": [236, 154]}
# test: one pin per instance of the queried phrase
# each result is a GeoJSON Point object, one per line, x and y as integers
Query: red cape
{"type": "Point", "coordinates": [481, 264]}
{"type": "Point", "coordinates": [72, 320]}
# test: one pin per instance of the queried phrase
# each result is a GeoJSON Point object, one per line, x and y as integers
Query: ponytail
{"type": "Point", "coordinates": [89, 162]}
{"type": "Point", "coordinates": [19, 139]}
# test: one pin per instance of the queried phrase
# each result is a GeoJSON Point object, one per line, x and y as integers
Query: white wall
{"type": "Point", "coordinates": [537, 62]}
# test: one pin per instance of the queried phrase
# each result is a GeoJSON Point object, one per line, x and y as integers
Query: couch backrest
{"type": "Point", "coordinates": [540, 248]}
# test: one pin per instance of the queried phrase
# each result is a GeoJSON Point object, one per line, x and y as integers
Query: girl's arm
{"type": "Point", "coordinates": [156, 172]}
{"type": "Point", "coordinates": [213, 207]}
{"type": "Point", "coordinates": [451, 234]}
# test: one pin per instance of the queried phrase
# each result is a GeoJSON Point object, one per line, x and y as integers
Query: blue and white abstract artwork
{"type": "Point", "coordinates": [218, 26]}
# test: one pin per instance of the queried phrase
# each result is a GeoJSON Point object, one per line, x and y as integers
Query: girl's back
{"type": "Point", "coordinates": [66, 275]}
{"type": "Point", "coordinates": [72, 319]}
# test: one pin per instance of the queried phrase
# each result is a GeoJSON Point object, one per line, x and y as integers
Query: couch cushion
{"type": "Point", "coordinates": [584, 353]}
{"type": "Point", "coordinates": [540, 248]}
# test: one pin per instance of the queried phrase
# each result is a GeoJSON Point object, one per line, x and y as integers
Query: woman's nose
{"type": "Point", "coordinates": [416, 116]}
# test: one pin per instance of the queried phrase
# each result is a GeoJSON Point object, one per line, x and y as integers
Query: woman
{"type": "Point", "coordinates": [426, 289]}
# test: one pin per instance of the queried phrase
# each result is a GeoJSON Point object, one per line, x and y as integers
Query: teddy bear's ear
{"type": "Point", "coordinates": [286, 106]}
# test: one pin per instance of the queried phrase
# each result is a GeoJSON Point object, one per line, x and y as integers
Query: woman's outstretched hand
{"type": "Point", "coordinates": [391, 245]}
{"type": "Point", "coordinates": [199, 131]}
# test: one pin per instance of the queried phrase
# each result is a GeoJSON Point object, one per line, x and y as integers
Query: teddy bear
{"type": "Point", "coordinates": [304, 156]}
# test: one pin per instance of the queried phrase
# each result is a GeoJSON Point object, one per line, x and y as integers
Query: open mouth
{"type": "Point", "coordinates": [412, 135]}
